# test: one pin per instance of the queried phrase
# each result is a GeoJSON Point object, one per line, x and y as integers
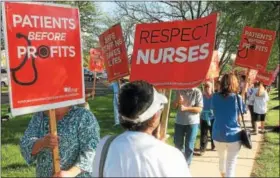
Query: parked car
{"type": "Point", "coordinates": [4, 77]}
{"type": "Point", "coordinates": [88, 75]}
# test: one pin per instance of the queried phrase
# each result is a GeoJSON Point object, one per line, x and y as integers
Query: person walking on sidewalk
{"type": "Point", "coordinates": [226, 128]}
{"type": "Point", "coordinates": [260, 99]}
{"type": "Point", "coordinates": [189, 104]}
{"type": "Point", "coordinates": [207, 119]}
{"type": "Point", "coordinates": [251, 92]}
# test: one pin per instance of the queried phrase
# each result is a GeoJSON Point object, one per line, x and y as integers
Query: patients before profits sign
{"type": "Point", "coordinates": [254, 48]}
{"type": "Point", "coordinates": [174, 54]}
{"type": "Point", "coordinates": [114, 52]}
{"type": "Point", "coordinates": [44, 56]}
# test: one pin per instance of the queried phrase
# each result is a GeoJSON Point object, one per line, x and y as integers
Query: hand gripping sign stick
{"type": "Point", "coordinates": [53, 130]}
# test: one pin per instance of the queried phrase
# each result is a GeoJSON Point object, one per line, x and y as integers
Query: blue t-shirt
{"type": "Point", "coordinates": [226, 127]}
{"type": "Point", "coordinates": [207, 113]}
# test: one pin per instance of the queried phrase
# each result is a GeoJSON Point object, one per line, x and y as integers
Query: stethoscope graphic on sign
{"type": "Point", "coordinates": [246, 49]}
{"type": "Point", "coordinates": [42, 51]}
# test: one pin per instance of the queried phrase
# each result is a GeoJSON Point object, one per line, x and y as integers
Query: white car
{"type": "Point", "coordinates": [4, 78]}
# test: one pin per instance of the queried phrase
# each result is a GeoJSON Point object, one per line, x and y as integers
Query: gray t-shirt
{"type": "Point", "coordinates": [192, 98]}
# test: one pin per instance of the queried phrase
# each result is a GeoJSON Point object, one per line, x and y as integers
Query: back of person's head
{"type": "Point", "coordinates": [138, 103]}
{"type": "Point", "coordinates": [229, 84]}
{"type": "Point", "coordinates": [243, 77]}
{"type": "Point", "coordinates": [256, 84]}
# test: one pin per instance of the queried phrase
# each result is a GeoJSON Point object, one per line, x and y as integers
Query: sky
{"type": "Point", "coordinates": [108, 7]}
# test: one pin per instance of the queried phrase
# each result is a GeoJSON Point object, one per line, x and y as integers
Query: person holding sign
{"type": "Point", "coordinates": [78, 136]}
{"type": "Point", "coordinates": [138, 152]}
{"type": "Point", "coordinates": [189, 103]}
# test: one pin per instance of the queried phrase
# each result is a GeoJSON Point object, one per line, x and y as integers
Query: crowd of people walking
{"type": "Point", "coordinates": [139, 152]}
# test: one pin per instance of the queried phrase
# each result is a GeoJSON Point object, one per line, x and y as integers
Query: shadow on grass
{"type": "Point", "coordinates": [276, 108]}
{"type": "Point", "coordinates": [14, 166]}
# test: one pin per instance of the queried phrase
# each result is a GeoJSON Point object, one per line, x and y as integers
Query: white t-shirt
{"type": "Point", "coordinates": [137, 154]}
{"type": "Point", "coordinates": [251, 96]}
{"type": "Point", "coordinates": [260, 103]}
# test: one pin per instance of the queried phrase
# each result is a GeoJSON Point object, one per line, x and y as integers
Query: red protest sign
{"type": "Point", "coordinates": [214, 69]}
{"type": "Point", "coordinates": [267, 77]}
{"type": "Point", "coordinates": [174, 54]}
{"type": "Point", "coordinates": [114, 52]}
{"type": "Point", "coordinates": [264, 77]}
{"type": "Point", "coordinates": [44, 56]}
{"type": "Point", "coordinates": [254, 48]}
{"type": "Point", "coordinates": [96, 62]}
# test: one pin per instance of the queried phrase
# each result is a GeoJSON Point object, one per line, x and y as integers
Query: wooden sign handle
{"type": "Point", "coordinates": [53, 130]}
{"type": "Point", "coordinates": [165, 115]}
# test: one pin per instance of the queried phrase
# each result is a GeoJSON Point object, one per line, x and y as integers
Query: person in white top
{"type": "Point", "coordinates": [260, 99]}
{"type": "Point", "coordinates": [250, 102]}
{"type": "Point", "coordinates": [138, 152]}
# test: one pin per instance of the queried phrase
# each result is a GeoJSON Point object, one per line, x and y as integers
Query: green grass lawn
{"type": "Point", "coordinates": [13, 164]}
{"type": "Point", "coordinates": [4, 89]}
{"type": "Point", "coordinates": [267, 162]}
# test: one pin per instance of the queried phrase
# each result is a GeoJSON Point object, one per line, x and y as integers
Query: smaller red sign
{"type": "Point", "coordinates": [267, 78]}
{"type": "Point", "coordinates": [96, 62]}
{"type": "Point", "coordinates": [214, 69]}
{"type": "Point", "coordinates": [114, 52]}
{"type": "Point", "coordinates": [254, 48]}
{"type": "Point", "coordinates": [264, 77]}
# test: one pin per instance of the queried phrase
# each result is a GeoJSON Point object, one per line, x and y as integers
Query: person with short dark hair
{"type": "Point", "coordinates": [189, 104]}
{"type": "Point", "coordinates": [226, 128]}
{"type": "Point", "coordinates": [138, 152]}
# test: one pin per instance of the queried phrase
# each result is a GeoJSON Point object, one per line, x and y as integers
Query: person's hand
{"type": "Point", "coordinates": [183, 108]}
{"type": "Point", "coordinates": [63, 174]}
{"type": "Point", "coordinates": [181, 100]}
{"type": "Point", "coordinates": [50, 141]}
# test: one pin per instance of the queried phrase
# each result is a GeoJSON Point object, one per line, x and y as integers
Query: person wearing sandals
{"type": "Point", "coordinates": [138, 152]}
{"type": "Point", "coordinates": [260, 99]}
{"type": "Point", "coordinates": [226, 128]}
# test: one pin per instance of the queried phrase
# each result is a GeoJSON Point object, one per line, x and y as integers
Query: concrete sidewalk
{"type": "Point", "coordinates": [208, 164]}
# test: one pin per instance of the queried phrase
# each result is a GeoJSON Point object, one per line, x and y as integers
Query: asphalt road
{"type": "Point", "coordinates": [100, 90]}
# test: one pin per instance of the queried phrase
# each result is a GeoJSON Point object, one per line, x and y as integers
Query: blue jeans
{"type": "Point", "coordinates": [116, 111]}
{"type": "Point", "coordinates": [188, 134]}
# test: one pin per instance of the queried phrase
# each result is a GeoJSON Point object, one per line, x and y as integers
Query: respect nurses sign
{"type": "Point", "coordinates": [254, 48]}
{"type": "Point", "coordinates": [44, 56]}
{"type": "Point", "coordinates": [174, 54]}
